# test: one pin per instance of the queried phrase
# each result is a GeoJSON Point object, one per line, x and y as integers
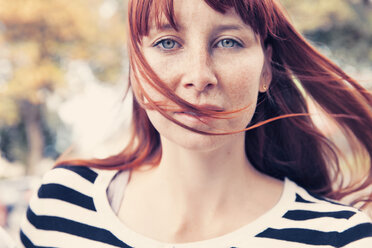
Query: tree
{"type": "Point", "coordinates": [37, 38]}
{"type": "Point", "coordinates": [344, 25]}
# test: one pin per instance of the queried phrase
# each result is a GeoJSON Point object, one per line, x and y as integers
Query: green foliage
{"type": "Point", "coordinates": [38, 38]}
{"type": "Point", "coordinates": [343, 25]}
{"type": "Point", "coordinates": [39, 35]}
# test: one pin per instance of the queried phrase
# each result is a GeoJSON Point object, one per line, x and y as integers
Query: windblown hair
{"type": "Point", "coordinates": [281, 140]}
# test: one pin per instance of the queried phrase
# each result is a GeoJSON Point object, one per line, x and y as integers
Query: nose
{"type": "Point", "coordinates": [199, 72]}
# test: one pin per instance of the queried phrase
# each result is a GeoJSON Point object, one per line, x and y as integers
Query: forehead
{"type": "Point", "coordinates": [143, 13]}
{"type": "Point", "coordinates": [181, 14]}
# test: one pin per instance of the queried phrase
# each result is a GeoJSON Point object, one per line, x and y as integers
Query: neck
{"type": "Point", "coordinates": [204, 179]}
{"type": "Point", "coordinates": [194, 190]}
{"type": "Point", "coordinates": [195, 171]}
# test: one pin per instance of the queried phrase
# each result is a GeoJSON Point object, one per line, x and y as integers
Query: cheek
{"type": "Point", "coordinates": [243, 70]}
{"type": "Point", "coordinates": [165, 66]}
{"type": "Point", "coordinates": [241, 84]}
{"type": "Point", "coordinates": [154, 95]}
{"type": "Point", "coordinates": [150, 90]}
{"type": "Point", "coordinates": [167, 71]}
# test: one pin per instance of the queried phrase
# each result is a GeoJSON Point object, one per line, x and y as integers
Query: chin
{"type": "Point", "coordinates": [192, 141]}
{"type": "Point", "coordinates": [198, 142]}
{"type": "Point", "coordinates": [178, 136]}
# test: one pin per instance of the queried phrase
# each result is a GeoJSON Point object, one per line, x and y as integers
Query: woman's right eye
{"type": "Point", "coordinates": [167, 44]}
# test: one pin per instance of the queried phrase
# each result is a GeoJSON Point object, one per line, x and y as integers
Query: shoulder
{"type": "Point", "coordinates": [69, 184]}
{"type": "Point", "coordinates": [330, 221]}
{"type": "Point", "coordinates": [72, 173]}
{"type": "Point", "coordinates": [63, 206]}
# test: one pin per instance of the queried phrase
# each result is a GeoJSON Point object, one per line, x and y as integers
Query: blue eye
{"type": "Point", "coordinates": [227, 43]}
{"type": "Point", "coordinates": [166, 44]}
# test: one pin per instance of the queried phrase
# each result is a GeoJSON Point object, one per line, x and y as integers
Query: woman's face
{"type": "Point", "coordinates": [213, 60]}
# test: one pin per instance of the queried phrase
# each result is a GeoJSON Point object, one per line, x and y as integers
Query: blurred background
{"type": "Point", "coordinates": [64, 69]}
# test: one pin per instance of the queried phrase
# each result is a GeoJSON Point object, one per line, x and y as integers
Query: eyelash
{"type": "Point", "coordinates": [235, 43]}
{"type": "Point", "coordinates": [161, 43]}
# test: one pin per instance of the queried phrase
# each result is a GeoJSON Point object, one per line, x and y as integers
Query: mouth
{"type": "Point", "coordinates": [188, 113]}
{"type": "Point", "coordinates": [205, 107]}
{"type": "Point", "coordinates": [192, 117]}
{"type": "Point", "coordinates": [211, 107]}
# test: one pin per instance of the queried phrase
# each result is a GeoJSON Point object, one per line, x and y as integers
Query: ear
{"type": "Point", "coordinates": [266, 75]}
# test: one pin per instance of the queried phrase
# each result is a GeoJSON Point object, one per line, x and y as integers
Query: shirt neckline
{"type": "Point", "coordinates": [111, 221]}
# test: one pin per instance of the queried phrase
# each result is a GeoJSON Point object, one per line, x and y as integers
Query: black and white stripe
{"type": "Point", "coordinates": [67, 212]}
{"type": "Point", "coordinates": [60, 208]}
{"type": "Point", "coordinates": [314, 224]}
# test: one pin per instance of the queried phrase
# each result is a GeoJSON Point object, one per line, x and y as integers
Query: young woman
{"type": "Point", "coordinates": [224, 151]}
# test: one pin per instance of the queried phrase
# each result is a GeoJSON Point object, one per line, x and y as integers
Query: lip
{"type": "Point", "coordinates": [210, 107]}
{"type": "Point", "coordinates": [205, 106]}
{"type": "Point", "coordinates": [191, 118]}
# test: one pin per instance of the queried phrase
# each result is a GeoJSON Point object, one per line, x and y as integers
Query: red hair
{"type": "Point", "coordinates": [281, 140]}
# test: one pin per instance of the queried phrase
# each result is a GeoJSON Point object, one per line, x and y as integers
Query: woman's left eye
{"type": "Point", "coordinates": [228, 43]}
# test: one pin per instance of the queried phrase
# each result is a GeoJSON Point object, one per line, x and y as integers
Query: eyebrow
{"type": "Point", "coordinates": [165, 26]}
{"type": "Point", "coordinates": [220, 28]}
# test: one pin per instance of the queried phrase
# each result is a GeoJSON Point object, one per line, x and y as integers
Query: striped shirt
{"type": "Point", "coordinates": [75, 207]}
